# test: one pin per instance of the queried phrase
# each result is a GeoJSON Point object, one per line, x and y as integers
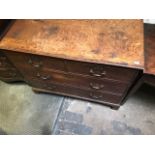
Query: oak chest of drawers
{"type": "Point", "coordinates": [77, 58]}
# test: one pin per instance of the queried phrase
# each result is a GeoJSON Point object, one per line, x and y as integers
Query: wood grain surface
{"type": "Point", "coordinates": [150, 49]}
{"type": "Point", "coordinates": [116, 42]}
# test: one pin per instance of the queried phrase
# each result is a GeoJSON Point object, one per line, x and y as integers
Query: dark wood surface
{"type": "Point", "coordinates": [92, 95]}
{"type": "Point", "coordinates": [103, 98]}
{"type": "Point", "coordinates": [115, 42]}
{"type": "Point", "coordinates": [44, 72]}
{"type": "Point", "coordinates": [79, 81]}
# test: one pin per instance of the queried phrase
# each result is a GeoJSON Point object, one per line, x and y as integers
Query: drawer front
{"type": "Point", "coordinates": [77, 81]}
{"type": "Point", "coordinates": [76, 92]}
{"type": "Point", "coordinates": [101, 71]}
{"type": "Point", "coordinates": [23, 60]}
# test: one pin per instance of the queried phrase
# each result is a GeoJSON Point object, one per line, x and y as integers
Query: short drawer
{"type": "Point", "coordinates": [101, 71]}
{"type": "Point", "coordinates": [88, 83]}
{"type": "Point", "coordinates": [79, 93]}
{"type": "Point", "coordinates": [23, 60]}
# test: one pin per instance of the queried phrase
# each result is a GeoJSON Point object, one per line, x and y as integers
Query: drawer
{"type": "Point", "coordinates": [101, 71]}
{"type": "Point", "coordinates": [22, 60]}
{"type": "Point", "coordinates": [76, 92]}
{"type": "Point", "coordinates": [88, 83]}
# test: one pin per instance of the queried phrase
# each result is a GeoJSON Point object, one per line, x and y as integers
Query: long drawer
{"type": "Point", "coordinates": [87, 69]}
{"type": "Point", "coordinates": [76, 92]}
{"type": "Point", "coordinates": [78, 81]}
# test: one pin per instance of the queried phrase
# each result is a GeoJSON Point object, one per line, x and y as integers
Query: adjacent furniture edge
{"type": "Point", "coordinates": [5, 24]}
{"type": "Point", "coordinates": [149, 44]}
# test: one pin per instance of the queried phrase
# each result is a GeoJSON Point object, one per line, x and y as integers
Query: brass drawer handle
{"type": "Point", "coordinates": [97, 73]}
{"type": "Point", "coordinates": [96, 86]}
{"type": "Point", "coordinates": [37, 64]}
{"type": "Point", "coordinates": [43, 77]}
{"type": "Point", "coordinates": [94, 96]}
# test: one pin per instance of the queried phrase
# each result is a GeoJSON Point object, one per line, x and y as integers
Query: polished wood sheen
{"type": "Point", "coordinates": [116, 42]}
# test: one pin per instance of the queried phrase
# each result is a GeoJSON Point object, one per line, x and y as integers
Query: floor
{"type": "Point", "coordinates": [24, 112]}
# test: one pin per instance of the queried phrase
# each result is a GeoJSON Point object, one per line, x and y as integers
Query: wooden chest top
{"type": "Point", "coordinates": [115, 42]}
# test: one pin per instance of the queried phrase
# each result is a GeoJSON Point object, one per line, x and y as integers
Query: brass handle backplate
{"type": "Point", "coordinates": [97, 72]}
{"type": "Point", "coordinates": [43, 77]}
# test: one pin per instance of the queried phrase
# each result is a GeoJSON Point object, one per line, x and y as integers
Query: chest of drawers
{"type": "Point", "coordinates": [87, 59]}
{"type": "Point", "coordinates": [95, 82]}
